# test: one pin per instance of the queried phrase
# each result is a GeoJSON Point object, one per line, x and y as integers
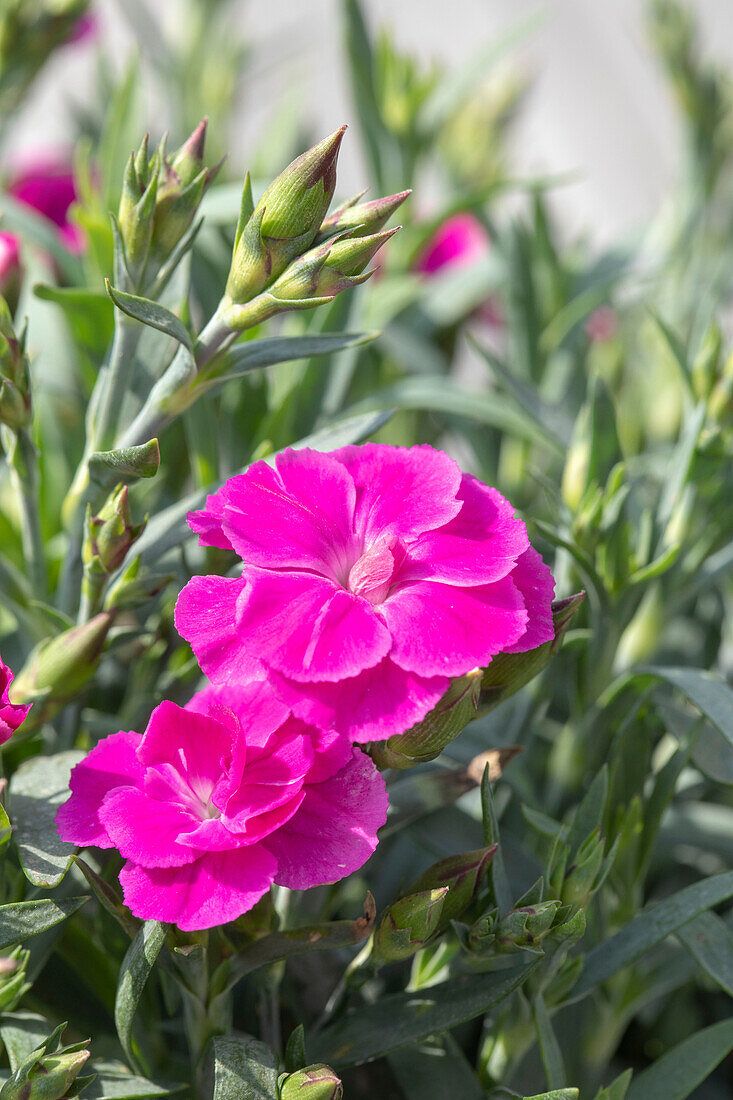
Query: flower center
{"type": "Point", "coordinates": [372, 575]}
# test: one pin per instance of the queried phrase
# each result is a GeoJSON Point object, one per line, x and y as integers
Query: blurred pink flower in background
{"type": "Point", "coordinates": [9, 264]}
{"type": "Point", "coordinates": [47, 185]}
{"type": "Point", "coordinates": [460, 241]}
{"type": "Point", "coordinates": [84, 29]}
{"type": "Point", "coordinates": [11, 715]}
{"type": "Point", "coordinates": [602, 325]}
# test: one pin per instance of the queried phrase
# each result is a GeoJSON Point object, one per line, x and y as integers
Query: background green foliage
{"type": "Point", "coordinates": [597, 954]}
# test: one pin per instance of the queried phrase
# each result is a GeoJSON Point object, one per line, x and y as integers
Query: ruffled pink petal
{"type": "Point", "coordinates": [372, 706]}
{"type": "Point", "coordinates": [460, 241]}
{"type": "Point", "coordinates": [214, 890]}
{"type": "Point", "coordinates": [295, 516]}
{"type": "Point", "coordinates": [331, 752]}
{"type": "Point", "coordinates": [207, 523]}
{"type": "Point", "coordinates": [146, 830]}
{"type": "Point", "coordinates": [257, 707]}
{"type": "Point", "coordinates": [307, 628]}
{"type": "Point", "coordinates": [206, 616]}
{"type": "Point", "coordinates": [12, 715]}
{"type": "Point", "coordinates": [335, 830]}
{"type": "Point", "coordinates": [198, 747]}
{"type": "Point", "coordinates": [273, 775]}
{"type": "Point", "coordinates": [479, 546]}
{"type": "Point", "coordinates": [537, 585]}
{"type": "Point", "coordinates": [438, 629]}
{"type": "Point", "coordinates": [401, 491]}
{"type": "Point", "coordinates": [112, 763]}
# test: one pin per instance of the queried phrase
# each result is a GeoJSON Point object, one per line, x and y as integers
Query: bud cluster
{"type": "Point", "coordinates": [288, 254]}
{"type": "Point", "coordinates": [427, 907]}
{"type": "Point", "coordinates": [160, 196]}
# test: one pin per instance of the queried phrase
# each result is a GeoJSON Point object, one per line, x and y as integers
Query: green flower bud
{"type": "Point", "coordinates": [137, 207]}
{"type": "Point", "coordinates": [111, 533]}
{"type": "Point", "coordinates": [361, 219]}
{"type": "Point", "coordinates": [640, 639]}
{"type": "Point", "coordinates": [707, 360]}
{"type": "Point", "coordinates": [581, 876]}
{"type": "Point", "coordinates": [133, 588]}
{"type": "Point", "coordinates": [317, 1082]}
{"type": "Point", "coordinates": [48, 1073]}
{"type": "Point", "coordinates": [15, 386]}
{"type": "Point", "coordinates": [426, 740]}
{"type": "Point", "coordinates": [508, 672]}
{"type": "Point", "coordinates": [462, 875]}
{"type": "Point", "coordinates": [720, 405]}
{"type": "Point", "coordinates": [58, 667]}
{"type": "Point", "coordinates": [408, 924]}
{"type": "Point", "coordinates": [285, 221]}
{"type": "Point", "coordinates": [13, 984]}
{"type": "Point", "coordinates": [184, 179]}
{"type": "Point", "coordinates": [330, 268]}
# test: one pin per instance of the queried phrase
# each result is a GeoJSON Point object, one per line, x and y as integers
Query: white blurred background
{"type": "Point", "coordinates": [598, 105]}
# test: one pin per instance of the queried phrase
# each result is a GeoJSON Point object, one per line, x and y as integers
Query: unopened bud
{"type": "Point", "coordinates": [720, 405]}
{"type": "Point", "coordinates": [705, 366]}
{"type": "Point", "coordinates": [640, 639]}
{"type": "Point", "coordinates": [581, 876]}
{"type": "Point", "coordinates": [184, 179]}
{"type": "Point", "coordinates": [46, 1076]}
{"type": "Point", "coordinates": [137, 207]}
{"type": "Point", "coordinates": [15, 390]}
{"type": "Point", "coordinates": [408, 924]}
{"type": "Point", "coordinates": [317, 1082]}
{"type": "Point", "coordinates": [13, 983]}
{"type": "Point", "coordinates": [111, 533]}
{"type": "Point", "coordinates": [508, 672]}
{"type": "Point", "coordinates": [526, 927]}
{"type": "Point", "coordinates": [361, 219]}
{"type": "Point", "coordinates": [426, 740]}
{"type": "Point", "coordinates": [285, 221]}
{"type": "Point", "coordinates": [462, 875]}
{"type": "Point", "coordinates": [330, 268]}
{"type": "Point", "coordinates": [58, 667]}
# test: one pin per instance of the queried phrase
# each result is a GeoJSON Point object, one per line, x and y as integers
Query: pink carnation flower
{"type": "Point", "coordinates": [218, 800]}
{"type": "Point", "coordinates": [48, 187]}
{"type": "Point", "coordinates": [11, 715]}
{"type": "Point", "coordinates": [372, 576]}
{"type": "Point", "coordinates": [461, 240]}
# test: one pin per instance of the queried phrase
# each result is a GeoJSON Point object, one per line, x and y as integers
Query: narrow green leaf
{"type": "Point", "coordinates": [708, 691]}
{"type": "Point", "coordinates": [383, 155]}
{"type": "Point", "coordinates": [152, 314]}
{"type": "Point", "coordinates": [589, 813]}
{"type": "Point", "coordinates": [677, 1073]}
{"type": "Point", "coordinates": [552, 417]}
{"type": "Point", "coordinates": [134, 973]}
{"type": "Point", "coordinates": [256, 354]}
{"type": "Point", "coordinates": [21, 919]}
{"type": "Point", "coordinates": [649, 928]}
{"type": "Point", "coordinates": [37, 789]}
{"type": "Point", "coordinates": [677, 472]}
{"type": "Point", "coordinates": [617, 1089]}
{"type": "Point", "coordinates": [442, 395]}
{"type": "Point", "coordinates": [22, 1033]}
{"type": "Point", "coordinates": [433, 1070]}
{"type": "Point", "coordinates": [550, 1051]}
{"type": "Point", "coordinates": [126, 464]}
{"type": "Point", "coordinates": [404, 1018]}
{"type": "Point", "coordinates": [556, 1094]}
{"type": "Point", "coordinates": [115, 1082]}
{"type": "Point", "coordinates": [240, 1068]}
{"type": "Point", "coordinates": [710, 942]}
{"type": "Point", "coordinates": [499, 879]}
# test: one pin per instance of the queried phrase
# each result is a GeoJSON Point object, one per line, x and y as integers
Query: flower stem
{"type": "Point", "coordinates": [24, 464]}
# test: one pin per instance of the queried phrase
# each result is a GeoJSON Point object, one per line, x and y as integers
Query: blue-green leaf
{"type": "Point", "coordinates": [677, 1073]}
